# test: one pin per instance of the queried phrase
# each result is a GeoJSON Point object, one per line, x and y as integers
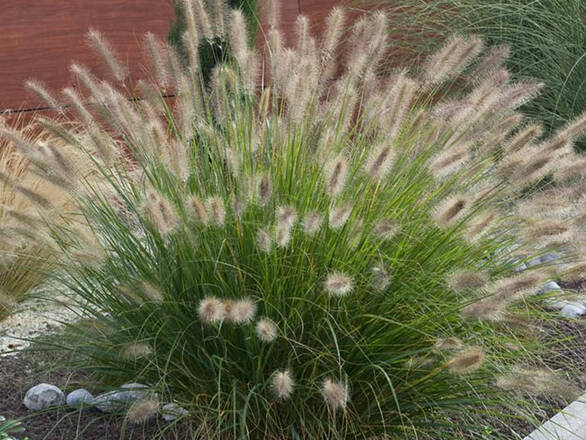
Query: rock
{"type": "Point", "coordinates": [79, 398]}
{"type": "Point", "coordinates": [573, 310]}
{"type": "Point", "coordinates": [557, 304]}
{"type": "Point", "coordinates": [550, 286]}
{"type": "Point", "coordinates": [117, 400]}
{"type": "Point", "coordinates": [172, 411]}
{"type": "Point", "coordinates": [520, 267]}
{"type": "Point", "coordinates": [533, 262]}
{"type": "Point", "coordinates": [549, 257]}
{"type": "Point", "coordinates": [43, 396]}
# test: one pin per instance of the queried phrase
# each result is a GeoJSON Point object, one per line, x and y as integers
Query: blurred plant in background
{"type": "Point", "coordinates": [335, 255]}
{"type": "Point", "coordinates": [212, 50]}
{"type": "Point", "coordinates": [547, 41]}
{"type": "Point", "coordinates": [28, 200]}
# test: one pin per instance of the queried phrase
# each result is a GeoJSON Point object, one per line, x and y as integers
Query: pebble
{"type": "Point", "coordinates": [119, 399]}
{"type": "Point", "coordinates": [550, 286]}
{"type": "Point", "coordinates": [573, 310]}
{"type": "Point", "coordinates": [43, 396]}
{"type": "Point", "coordinates": [172, 411]}
{"type": "Point", "coordinates": [79, 398]}
{"type": "Point", "coordinates": [549, 257]}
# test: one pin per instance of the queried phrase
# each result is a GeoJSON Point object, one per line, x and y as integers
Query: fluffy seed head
{"type": "Point", "coordinates": [380, 161]}
{"type": "Point", "coordinates": [479, 225]}
{"type": "Point", "coordinates": [216, 211]}
{"type": "Point", "coordinates": [381, 277]}
{"type": "Point", "coordinates": [241, 311]}
{"type": "Point", "coordinates": [338, 284]}
{"type": "Point", "coordinates": [282, 384]}
{"type": "Point", "coordinates": [199, 211]}
{"type": "Point", "coordinates": [211, 310]}
{"type": "Point", "coordinates": [463, 280]}
{"type": "Point", "coordinates": [385, 229]}
{"type": "Point", "coordinates": [312, 222]}
{"type": "Point", "coordinates": [266, 330]}
{"type": "Point", "coordinates": [263, 189]}
{"type": "Point", "coordinates": [143, 410]}
{"type": "Point", "coordinates": [335, 175]}
{"type": "Point", "coordinates": [537, 382]}
{"type": "Point", "coordinates": [264, 240]}
{"type": "Point", "coordinates": [119, 71]}
{"type": "Point", "coordinates": [286, 216]}
{"type": "Point", "coordinates": [467, 360]}
{"type": "Point", "coordinates": [448, 212]}
{"type": "Point", "coordinates": [339, 215]}
{"type": "Point", "coordinates": [137, 350]}
{"type": "Point", "coordinates": [448, 343]}
{"type": "Point", "coordinates": [335, 394]}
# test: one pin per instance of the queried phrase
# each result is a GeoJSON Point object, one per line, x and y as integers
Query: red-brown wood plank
{"type": "Point", "coordinates": [40, 39]}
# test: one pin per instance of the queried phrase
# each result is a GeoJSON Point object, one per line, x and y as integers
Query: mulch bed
{"type": "Point", "coordinates": [20, 372]}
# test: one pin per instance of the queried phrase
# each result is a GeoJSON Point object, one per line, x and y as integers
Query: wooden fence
{"type": "Point", "coordinates": [41, 38]}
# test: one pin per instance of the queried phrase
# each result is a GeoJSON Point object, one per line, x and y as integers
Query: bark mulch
{"type": "Point", "coordinates": [20, 372]}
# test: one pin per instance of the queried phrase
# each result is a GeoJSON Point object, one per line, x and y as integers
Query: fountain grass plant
{"type": "Point", "coordinates": [315, 249]}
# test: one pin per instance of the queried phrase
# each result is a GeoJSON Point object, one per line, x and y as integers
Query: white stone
{"type": "Point", "coordinates": [172, 411]}
{"type": "Point", "coordinates": [573, 310]}
{"type": "Point", "coordinates": [533, 262]}
{"type": "Point", "coordinates": [43, 396]}
{"type": "Point", "coordinates": [79, 398]}
{"type": "Point", "coordinates": [550, 286]}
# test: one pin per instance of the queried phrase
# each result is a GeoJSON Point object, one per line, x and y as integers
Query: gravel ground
{"type": "Point", "coordinates": [32, 319]}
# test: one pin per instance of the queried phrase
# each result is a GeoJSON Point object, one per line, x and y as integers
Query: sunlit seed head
{"type": "Point", "coordinates": [241, 311]}
{"type": "Point", "coordinates": [141, 411]}
{"type": "Point", "coordinates": [464, 280]}
{"type": "Point", "coordinates": [525, 136]}
{"type": "Point", "coordinates": [266, 330]}
{"type": "Point", "coordinates": [449, 61]}
{"type": "Point", "coordinates": [216, 211]}
{"type": "Point", "coordinates": [450, 343]}
{"type": "Point", "coordinates": [96, 39]}
{"type": "Point", "coordinates": [569, 168]}
{"type": "Point", "coordinates": [385, 229]}
{"type": "Point", "coordinates": [238, 205]}
{"type": "Point", "coordinates": [312, 222]}
{"type": "Point", "coordinates": [264, 240]}
{"type": "Point", "coordinates": [339, 215]}
{"type": "Point", "coordinates": [282, 384]}
{"type": "Point", "coordinates": [338, 284]}
{"type": "Point", "coordinates": [467, 361]}
{"type": "Point", "coordinates": [451, 210]}
{"type": "Point", "coordinates": [335, 394]}
{"type": "Point", "coordinates": [211, 310]}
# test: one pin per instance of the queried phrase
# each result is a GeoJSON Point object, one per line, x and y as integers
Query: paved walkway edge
{"type": "Point", "coordinates": [568, 424]}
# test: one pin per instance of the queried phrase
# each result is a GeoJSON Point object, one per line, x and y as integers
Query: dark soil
{"type": "Point", "coordinates": [20, 372]}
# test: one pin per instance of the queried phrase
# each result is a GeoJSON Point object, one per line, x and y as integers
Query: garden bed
{"type": "Point", "coordinates": [26, 369]}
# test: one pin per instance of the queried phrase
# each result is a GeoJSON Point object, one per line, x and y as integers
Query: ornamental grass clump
{"type": "Point", "coordinates": [31, 196]}
{"type": "Point", "coordinates": [314, 249]}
